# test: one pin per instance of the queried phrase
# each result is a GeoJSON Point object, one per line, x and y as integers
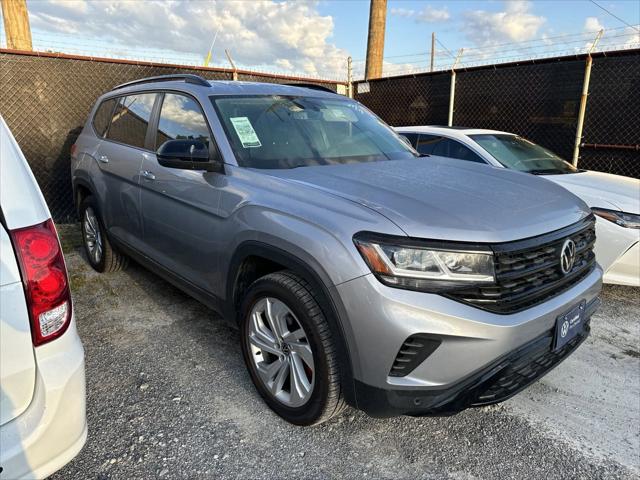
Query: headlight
{"type": "Point", "coordinates": [422, 266]}
{"type": "Point", "coordinates": [627, 220]}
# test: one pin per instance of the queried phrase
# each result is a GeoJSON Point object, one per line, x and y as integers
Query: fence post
{"type": "Point", "coordinates": [583, 101]}
{"type": "Point", "coordinates": [452, 90]}
{"type": "Point", "coordinates": [233, 65]}
{"type": "Point", "coordinates": [349, 78]}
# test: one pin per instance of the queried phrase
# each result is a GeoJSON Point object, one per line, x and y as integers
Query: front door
{"type": "Point", "coordinates": [179, 207]}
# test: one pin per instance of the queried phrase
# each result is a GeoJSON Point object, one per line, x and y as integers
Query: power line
{"type": "Point", "coordinates": [445, 48]}
{"type": "Point", "coordinates": [615, 16]}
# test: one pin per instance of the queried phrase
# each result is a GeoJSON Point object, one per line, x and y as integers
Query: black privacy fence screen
{"type": "Point", "coordinates": [538, 99]}
{"type": "Point", "coordinates": [45, 100]}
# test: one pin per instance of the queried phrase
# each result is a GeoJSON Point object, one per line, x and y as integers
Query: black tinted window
{"type": "Point", "coordinates": [103, 116]}
{"type": "Point", "coordinates": [426, 143]}
{"type": "Point", "coordinates": [131, 119]}
{"type": "Point", "coordinates": [181, 118]}
{"type": "Point", "coordinates": [461, 152]}
{"type": "Point", "coordinates": [412, 137]}
{"type": "Point", "coordinates": [446, 147]}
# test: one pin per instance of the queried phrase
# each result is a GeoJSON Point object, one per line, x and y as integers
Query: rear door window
{"type": "Point", "coordinates": [131, 119]}
{"type": "Point", "coordinates": [452, 149]}
{"type": "Point", "coordinates": [427, 143]}
{"type": "Point", "coordinates": [181, 118]}
{"type": "Point", "coordinates": [103, 116]}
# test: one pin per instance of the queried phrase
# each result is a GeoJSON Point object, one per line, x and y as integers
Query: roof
{"type": "Point", "coordinates": [449, 131]}
{"type": "Point", "coordinates": [220, 87]}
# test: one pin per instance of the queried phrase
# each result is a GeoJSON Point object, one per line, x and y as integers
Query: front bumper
{"type": "Point", "coordinates": [494, 383]}
{"type": "Point", "coordinates": [626, 269]}
{"type": "Point", "coordinates": [381, 319]}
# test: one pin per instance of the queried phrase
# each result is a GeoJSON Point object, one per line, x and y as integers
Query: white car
{"type": "Point", "coordinates": [613, 198]}
{"type": "Point", "coordinates": [42, 384]}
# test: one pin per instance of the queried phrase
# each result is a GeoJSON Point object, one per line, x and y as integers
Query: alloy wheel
{"type": "Point", "coordinates": [92, 235]}
{"type": "Point", "coordinates": [281, 352]}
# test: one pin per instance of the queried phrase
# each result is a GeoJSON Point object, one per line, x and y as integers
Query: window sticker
{"type": "Point", "coordinates": [245, 132]}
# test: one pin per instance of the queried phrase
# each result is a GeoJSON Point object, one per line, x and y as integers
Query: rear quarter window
{"type": "Point", "coordinates": [102, 116]}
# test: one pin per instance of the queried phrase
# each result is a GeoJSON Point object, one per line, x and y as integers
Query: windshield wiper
{"type": "Point", "coordinates": [547, 171]}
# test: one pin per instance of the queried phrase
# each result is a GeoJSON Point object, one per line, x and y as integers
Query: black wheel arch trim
{"type": "Point", "coordinates": [81, 182]}
{"type": "Point", "coordinates": [318, 278]}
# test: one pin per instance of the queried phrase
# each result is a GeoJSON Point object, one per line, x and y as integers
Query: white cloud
{"type": "Point", "coordinates": [403, 12]}
{"type": "Point", "coordinates": [426, 15]}
{"type": "Point", "coordinates": [430, 14]}
{"type": "Point", "coordinates": [592, 24]}
{"type": "Point", "coordinates": [515, 23]}
{"type": "Point", "coordinates": [78, 5]}
{"type": "Point", "coordinates": [260, 33]}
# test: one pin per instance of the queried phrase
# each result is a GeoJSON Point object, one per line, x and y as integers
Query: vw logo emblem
{"type": "Point", "coordinates": [564, 329]}
{"type": "Point", "coordinates": [567, 256]}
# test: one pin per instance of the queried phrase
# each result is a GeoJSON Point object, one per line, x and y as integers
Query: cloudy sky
{"type": "Point", "coordinates": [314, 38]}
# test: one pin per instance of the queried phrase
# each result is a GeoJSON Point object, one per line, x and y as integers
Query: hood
{"type": "Point", "coordinates": [603, 190]}
{"type": "Point", "coordinates": [437, 198]}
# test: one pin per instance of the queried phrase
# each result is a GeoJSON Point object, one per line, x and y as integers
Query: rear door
{"type": "Point", "coordinates": [17, 363]}
{"type": "Point", "coordinates": [120, 157]}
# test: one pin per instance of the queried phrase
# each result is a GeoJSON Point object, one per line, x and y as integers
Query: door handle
{"type": "Point", "coordinates": [103, 159]}
{"type": "Point", "coordinates": [148, 175]}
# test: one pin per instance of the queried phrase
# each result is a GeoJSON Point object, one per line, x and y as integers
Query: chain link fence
{"type": "Point", "coordinates": [538, 99]}
{"type": "Point", "coordinates": [611, 136]}
{"type": "Point", "coordinates": [45, 101]}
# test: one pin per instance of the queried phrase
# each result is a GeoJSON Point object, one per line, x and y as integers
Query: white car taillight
{"type": "Point", "coordinates": [45, 280]}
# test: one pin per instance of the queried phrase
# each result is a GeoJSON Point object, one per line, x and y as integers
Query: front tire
{"type": "Point", "coordinates": [101, 255]}
{"type": "Point", "coordinates": [289, 351]}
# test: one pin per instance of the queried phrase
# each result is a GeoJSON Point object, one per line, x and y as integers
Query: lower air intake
{"type": "Point", "coordinates": [413, 352]}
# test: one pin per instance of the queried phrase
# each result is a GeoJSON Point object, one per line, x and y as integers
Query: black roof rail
{"type": "Point", "coordinates": [186, 77]}
{"type": "Point", "coordinates": [312, 86]}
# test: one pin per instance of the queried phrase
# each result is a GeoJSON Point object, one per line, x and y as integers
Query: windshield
{"type": "Point", "coordinates": [520, 154]}
{"type": "Point", "coordinates": [275, 131]}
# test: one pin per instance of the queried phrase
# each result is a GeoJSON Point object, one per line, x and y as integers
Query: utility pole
{"type": "Point", "coordinates": [433, 49]}
{"type": "Point", "coordinates": [375, 41]}
{"type": "Point", "coordinates": [349, 78]}
{"type": "Point", "coordinates": [233, 65]}
{"type": "Point", "coordinates": [16, 24]}
{"type": "Point", "coordinates": [583, 100]}
{"type": "Point", "coordinates": [452, 89]}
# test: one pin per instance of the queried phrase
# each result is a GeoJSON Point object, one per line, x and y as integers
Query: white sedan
{"type": "Point", "coordinates": [42, 384]}
{"type": "Point", "coordinates": [613, 198]}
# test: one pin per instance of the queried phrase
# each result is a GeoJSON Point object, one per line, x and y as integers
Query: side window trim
{"type": "Point", "coordinates": [150, 138]}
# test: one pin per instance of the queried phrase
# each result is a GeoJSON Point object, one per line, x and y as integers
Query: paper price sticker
{"type": "Point", "coordinates": [245, 131]}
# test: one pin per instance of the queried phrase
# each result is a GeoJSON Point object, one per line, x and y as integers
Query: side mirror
{"type": "Point", "coordinates": [186, 155]}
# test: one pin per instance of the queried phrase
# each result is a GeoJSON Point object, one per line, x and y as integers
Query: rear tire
{"type": "Point", "coordinates": [101, 255]}
{"type": "Point", "coordinates": [294, 366]}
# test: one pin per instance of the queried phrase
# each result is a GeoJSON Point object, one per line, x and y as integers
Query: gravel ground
{"type": "Point", "coordinates": [168, 396]}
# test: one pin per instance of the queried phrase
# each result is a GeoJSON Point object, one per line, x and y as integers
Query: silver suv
{"type": "Point", "coordinates": [356, 273]}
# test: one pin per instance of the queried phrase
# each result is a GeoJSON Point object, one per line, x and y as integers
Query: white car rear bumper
{"type": "Point", "coordinates": [626, 269]}
{"type": "Point", "coordinates": [53, 429]}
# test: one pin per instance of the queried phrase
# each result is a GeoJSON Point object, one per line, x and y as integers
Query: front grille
{"type": "Point", "coordinates": [528, 271]}
{"type": "Point", "coordinates": [413, 352]}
